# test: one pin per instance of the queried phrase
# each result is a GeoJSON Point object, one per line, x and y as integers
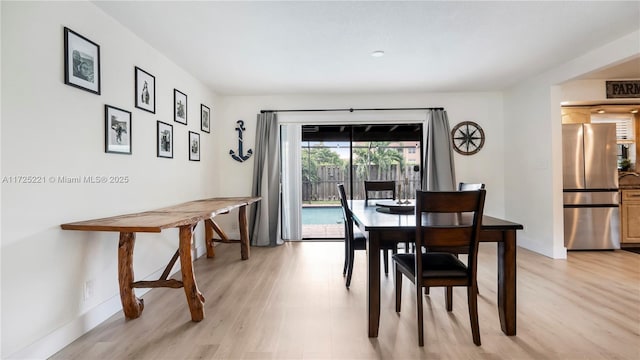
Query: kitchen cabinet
{"type": "Point", "coordinates": [577, 115]}
{"type": "Point", "coordinates": [630, 216]}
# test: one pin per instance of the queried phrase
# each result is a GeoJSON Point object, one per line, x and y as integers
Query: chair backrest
{"type": "Point", "coordinates": [470, 186]}
{"type": "Point", "coordinates": [346, 214]}
{"type": "Point", "coordinates": [449, 219]}
{"type": "Point", "coordinates": [388, 188]}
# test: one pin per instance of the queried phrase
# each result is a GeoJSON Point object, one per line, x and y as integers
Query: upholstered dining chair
{"type": "Point", "coordinates": [461, 187]}
{"type": "Point", "coordinates": [470, 186]}
{"type": "Point", "coordinates": [380, 190]}
{"type": "Point", "coordinates": [353, 238]}
{"type": "Point", "coordinates": [443, 220]}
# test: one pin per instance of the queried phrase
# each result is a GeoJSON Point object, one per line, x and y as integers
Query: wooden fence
{"type": "Point", "coordinates": [326, 189]}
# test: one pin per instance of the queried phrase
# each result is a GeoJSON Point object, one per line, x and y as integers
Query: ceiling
{"type": "Point", "coordinates": [260, 48]}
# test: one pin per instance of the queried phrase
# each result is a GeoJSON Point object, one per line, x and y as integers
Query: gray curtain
{"type": "Point", "coordinates": [439, 170]}
{"type": "Point", "coordinates": [263, 221]}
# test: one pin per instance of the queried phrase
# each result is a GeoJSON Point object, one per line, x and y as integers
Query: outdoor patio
{"type": "Point", "coordinates": [323, 231]}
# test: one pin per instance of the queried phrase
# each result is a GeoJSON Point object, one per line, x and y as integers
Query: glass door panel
{"type": "Point", "coordinates": [325, 164]}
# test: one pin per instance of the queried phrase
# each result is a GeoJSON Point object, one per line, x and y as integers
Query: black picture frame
{"type": "Point", "coordinates": [179, 107]}
{"type": "Point", "coordinates": [81, 62]}
{"type": "Point", "coordinates": [165, 140]}
{"type": "Point", "coordinates": [205, 118]}
{"type": "Point", "coordinates": [145, 85]}
{"type": "Point", "coordinates": [118, 130]}
{"type": "Point", "coordinates": [194, 146]}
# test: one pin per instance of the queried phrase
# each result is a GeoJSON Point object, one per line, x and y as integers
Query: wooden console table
{"type": "Point", "coordinates": [184, 216]}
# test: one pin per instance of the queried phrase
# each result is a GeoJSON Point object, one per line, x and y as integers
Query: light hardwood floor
{"type": "Point", "coordinates": [290, 302]}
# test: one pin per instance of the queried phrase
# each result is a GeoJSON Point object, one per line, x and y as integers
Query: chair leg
{"type": "Point", "coordinates": [472, 292]}
{"type": "Point", "coordinates": [386, 261]}
{"type": "Point", "coordinates": [346, 257]}
{"type": "Point", "coordinates": [448, 297]}
{"type": "Point", "coordinates": [350, 266]}
{"type": "Point", "coordinates": [420, 320]}
{"type": "Point", "coordinates": [398, 282]}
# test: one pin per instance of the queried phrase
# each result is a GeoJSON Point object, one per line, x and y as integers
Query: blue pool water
{"type": "Point", "coordinates": [321, 215]}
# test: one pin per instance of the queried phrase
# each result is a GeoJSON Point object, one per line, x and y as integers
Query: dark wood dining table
{"type": "Point", "coordinates": [380, 226]}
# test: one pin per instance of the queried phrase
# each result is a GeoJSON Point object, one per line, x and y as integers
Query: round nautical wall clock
{"type": "Point", "coordinates": [468, 138]}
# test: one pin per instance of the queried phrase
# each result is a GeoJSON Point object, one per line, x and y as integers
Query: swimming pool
{"type": "Point", "coordinates": [321, 215]}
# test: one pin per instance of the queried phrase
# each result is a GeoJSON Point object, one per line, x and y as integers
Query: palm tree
{"type": "Point", "coordinates": [377, 153]}
{"type": "Point", "coordinates": [362, 161]}
{"type": "Point", "coordinates": [385, 157]}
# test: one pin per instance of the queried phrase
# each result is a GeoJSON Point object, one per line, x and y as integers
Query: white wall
{"type": "Point", "coordinates": [484, 108]}
{"type": "Point", "coordinates": [534, 144]}
{"type": "Point", "coordinates": [51, 129]}
{"type": "Point", "coordinates": [586, 90]}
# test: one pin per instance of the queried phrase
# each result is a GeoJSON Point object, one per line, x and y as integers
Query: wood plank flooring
{"type": "Point", "coordinates": [290, 302]}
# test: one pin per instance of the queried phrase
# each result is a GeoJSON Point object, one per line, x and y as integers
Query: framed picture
{"type": "Point", "coordinates": [117, 129]}
{"type": "Point", "coordinates": [194, 146]}
{"type": "Point", "coordinates": [145, 91]}
{"type": "Point", "coordinates": [81, 62]}
{"type": "Point", "coordinates": [205, 118]}
{"type": "Point", "coordinates": [165, 140]}
{"type": "Point", "coordinates": [179, 107]}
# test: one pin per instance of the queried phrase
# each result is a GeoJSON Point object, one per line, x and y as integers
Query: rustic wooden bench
{"type": "Point", "coordinates": [184, 216]}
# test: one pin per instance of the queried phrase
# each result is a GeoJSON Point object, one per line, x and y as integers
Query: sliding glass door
{"type": "Point", "coordinates": [352, 154]}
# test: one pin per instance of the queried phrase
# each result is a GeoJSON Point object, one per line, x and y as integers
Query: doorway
{"type": "Point", "coordinates": [351, 154]}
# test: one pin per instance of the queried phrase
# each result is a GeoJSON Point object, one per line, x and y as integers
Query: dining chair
{"type": "Point", "coordinates": [461, 187]}
{"type": "Point", "coordinates": [380, 190]}
{"type": "Point", "coordinates": [443, 220]}
{"type": "Point", "coordinates": [470, 186]}
{"type": "Point", "coordinates": [467, 187]}
{"type": "Point", "coordinates": [353, 238]}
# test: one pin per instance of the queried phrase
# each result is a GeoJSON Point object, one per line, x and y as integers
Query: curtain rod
{"type": "Point", "coordinates": [351, 109]}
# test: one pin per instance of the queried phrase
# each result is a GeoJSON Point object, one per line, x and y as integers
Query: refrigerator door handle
{"type": "Point", "coordinates": [577, 206]}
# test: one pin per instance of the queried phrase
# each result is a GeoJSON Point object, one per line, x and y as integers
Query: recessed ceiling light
{"type": "Point", "coordinates": [377, 53]}
{"type": "Point", "coordinates": [634, 111]}
{"type": "Point", "coordinates": [601, 111]}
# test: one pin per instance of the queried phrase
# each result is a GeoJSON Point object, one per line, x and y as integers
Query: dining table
{"type": "Point", "coordinates": [384, 225]}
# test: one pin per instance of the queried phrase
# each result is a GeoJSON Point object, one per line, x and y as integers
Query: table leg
{"type": "Point", "coordinates": [243, 225]}
{"type": "Point", "coordinates": [132, 306]}
{"type": "Point", "coordinates": [507, 282]}
{"type": "Point", "coordinates": [208, 237]}
{"type": "Point", "coordinates": [194, 297]}
{"type": "Point", "coordinates": [373, 278]}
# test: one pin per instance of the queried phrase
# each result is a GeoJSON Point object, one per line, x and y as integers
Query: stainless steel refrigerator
{"type": "Point", "coordinates": [591, 208]}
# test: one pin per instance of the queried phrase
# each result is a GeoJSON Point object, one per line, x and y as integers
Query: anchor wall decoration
{"type": "Point", "coordinates": [239, 157]}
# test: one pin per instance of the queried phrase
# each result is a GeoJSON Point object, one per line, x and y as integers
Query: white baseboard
{"type": "Point", "coordinates": [527, 243]}
{"type": "Point", "coordinates": [65, 335]}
